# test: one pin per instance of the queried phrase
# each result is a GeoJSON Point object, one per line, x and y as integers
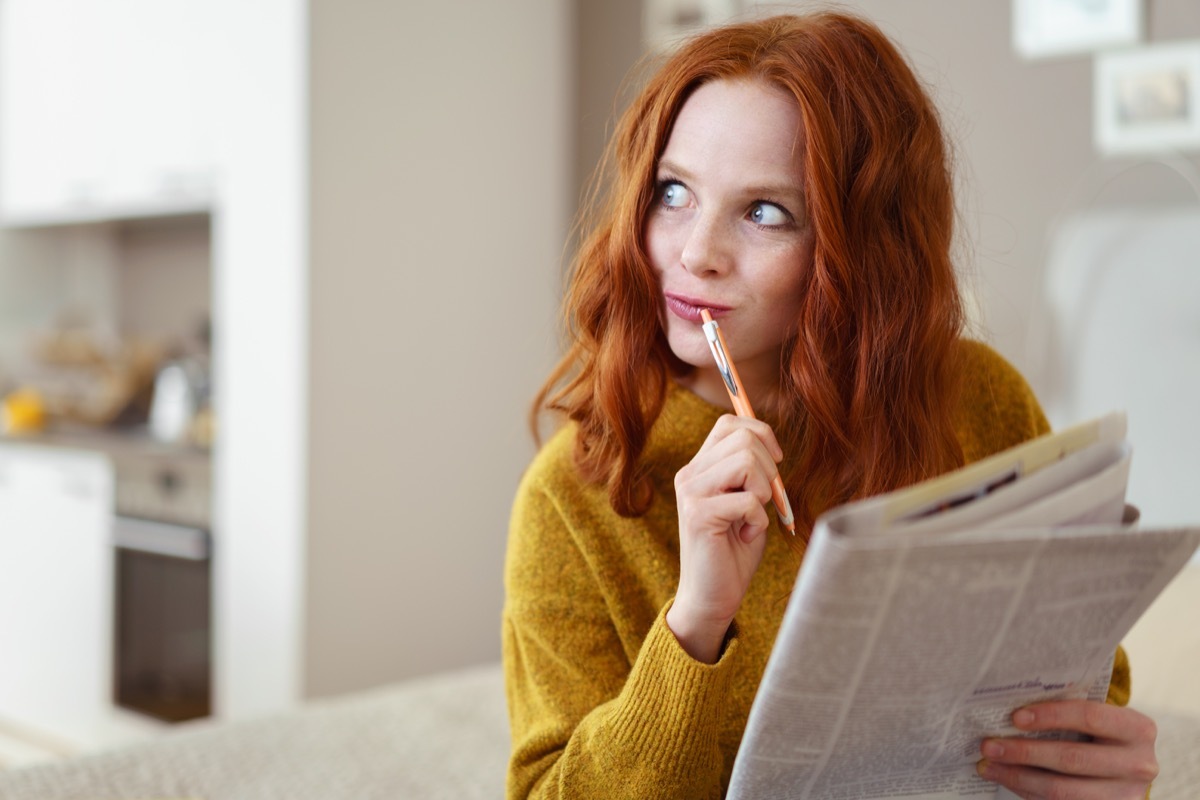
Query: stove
{"type": "Point", "coordinates": [162, 647]}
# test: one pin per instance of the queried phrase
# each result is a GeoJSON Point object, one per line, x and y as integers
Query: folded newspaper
{"type": "Point", "coordinates": [922, 618]}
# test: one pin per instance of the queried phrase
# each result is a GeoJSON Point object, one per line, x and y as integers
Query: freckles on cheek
{"type": "Point", "coordinates": [657, 248]}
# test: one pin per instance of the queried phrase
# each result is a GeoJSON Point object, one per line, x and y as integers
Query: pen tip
{"type": "Point", "coordinates": [706, 315]}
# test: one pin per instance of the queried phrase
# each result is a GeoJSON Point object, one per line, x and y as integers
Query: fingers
{"type": "Point", "coordinates": [739, 455]}
{"type": "Point", "coordinates": [728, 425]}
{"type": "Point", "coordinates": [1118, 761]}
{"type": "Point", "coordinates": [1068, 758]}
{"type": "Point", "coordinates": [721, 496]}
{"type": "Point", "coordinates": [1098, 720]}
{"type": "Point", "coordinates": [1036, 784]}
{"type": "Point", "coordinates": [742, 512]}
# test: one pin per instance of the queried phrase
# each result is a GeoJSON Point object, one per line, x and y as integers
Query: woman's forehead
{"type": "Point", "coordinates": [745, 125]}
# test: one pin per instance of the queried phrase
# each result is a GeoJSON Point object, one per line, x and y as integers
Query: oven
{"type": "Point", "coordinates": [162, 604]}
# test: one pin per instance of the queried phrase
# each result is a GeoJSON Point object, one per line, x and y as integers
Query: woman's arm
{"type": "Point", "coordinates": [588, 718]}
{"type": "Point", "coordinates": [595, 710]}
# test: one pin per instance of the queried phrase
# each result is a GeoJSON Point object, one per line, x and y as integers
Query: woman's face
{"type": "Point", "coordinates": [728, 230]}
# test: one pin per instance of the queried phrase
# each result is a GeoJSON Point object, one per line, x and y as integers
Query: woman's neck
{"type": "Point", "coordinates": [707, 384]}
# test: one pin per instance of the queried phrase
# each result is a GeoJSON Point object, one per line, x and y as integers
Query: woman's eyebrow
{"type": "Point", "coordinates": [789, 190]}
{"type": "Point", "coordinates": [674, 169]}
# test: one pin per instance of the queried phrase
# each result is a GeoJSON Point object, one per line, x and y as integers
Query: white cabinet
{"type": "Point", "coordinates": [107, 109]}
{"type": "Point", "coordinates": [56, 592]}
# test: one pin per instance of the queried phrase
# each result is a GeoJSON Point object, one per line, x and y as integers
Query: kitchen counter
{"type": "Point", "coordinates": [115, 442]}
{"type": "Point", "coordinates": [153, 479]}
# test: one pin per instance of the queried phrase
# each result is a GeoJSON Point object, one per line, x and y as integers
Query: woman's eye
{"type": "Point", "coordinates": [673, 194]}
{"type": "Point", "coordinates": [769, 214]}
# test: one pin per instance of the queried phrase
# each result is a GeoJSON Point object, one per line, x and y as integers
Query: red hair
{"type": "Point", "coordinates": [868, 385]}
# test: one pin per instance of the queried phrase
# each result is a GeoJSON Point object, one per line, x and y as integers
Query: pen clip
{"type": "Point", "coordinates": [718, 351]}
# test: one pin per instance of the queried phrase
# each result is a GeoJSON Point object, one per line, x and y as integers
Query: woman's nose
{"type": "Point", "coordinates": [706, 249]}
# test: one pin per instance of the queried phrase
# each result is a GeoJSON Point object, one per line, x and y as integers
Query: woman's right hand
{"type": "Point", "coordinates": [721, 496]}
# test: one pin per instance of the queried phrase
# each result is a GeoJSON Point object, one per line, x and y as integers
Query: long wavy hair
{"type": "Point", "coordinates": [868, 384]}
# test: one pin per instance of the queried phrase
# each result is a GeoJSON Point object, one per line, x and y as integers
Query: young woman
{"type": "Point", "coordinates": [790, 176]}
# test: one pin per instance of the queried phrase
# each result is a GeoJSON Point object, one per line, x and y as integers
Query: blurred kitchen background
{"type": "Point", "coordinates": [278, 280]}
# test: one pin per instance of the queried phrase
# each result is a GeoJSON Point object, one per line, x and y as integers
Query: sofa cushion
{"type": "Point", "coordinates": [445, 736]}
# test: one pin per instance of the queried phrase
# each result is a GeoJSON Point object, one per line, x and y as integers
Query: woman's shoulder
{"type": "Point", "coordinates": [997, 408]}
{"type": "Point", "coordinates": [553, 466]}
{"type": "Point", "coordinates": [554, 483]}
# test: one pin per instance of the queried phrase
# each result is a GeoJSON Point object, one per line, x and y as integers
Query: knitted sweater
{"type": "Point", "coordinates": [603, 702]}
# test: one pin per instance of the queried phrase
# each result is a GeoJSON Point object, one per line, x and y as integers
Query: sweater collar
{"type": "Point", "coordinates": [681, 428]}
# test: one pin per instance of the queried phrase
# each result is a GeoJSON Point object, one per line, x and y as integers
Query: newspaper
{"type": "Point", "coordinates": [921, 619]}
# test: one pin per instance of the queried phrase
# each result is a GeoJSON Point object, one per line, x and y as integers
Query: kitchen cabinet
{"type": "Point", "coordinates": [107, 109]}
{"type": "Point", "coordinates": [55, 592]}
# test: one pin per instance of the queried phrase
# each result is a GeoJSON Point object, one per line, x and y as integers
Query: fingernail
{"type": "Point", "coordinates": [1023, 717]}
{"type": "Point", "coordinates": [993, 749]}
{"type": "Point", "coordinates": [984, 768]}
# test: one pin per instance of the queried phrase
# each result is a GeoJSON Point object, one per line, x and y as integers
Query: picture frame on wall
{"type": "Point", "coordinates": [1048, 28]}
{"type": "Point", "coordinates": [667, 22]}
{"type": "Point", "coordinates": [1147, 100]}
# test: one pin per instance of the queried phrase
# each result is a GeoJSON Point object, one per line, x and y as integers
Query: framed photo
{"type": "Point", "coordinates": [1148, 100]}
{"type": "Point", "coordinates": [666, 22]}
{"type": "Point", "coordinates": [1044, 28]}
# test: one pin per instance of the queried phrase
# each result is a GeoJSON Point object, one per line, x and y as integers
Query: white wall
{"type": "Point", "coordinates": [260, 338]}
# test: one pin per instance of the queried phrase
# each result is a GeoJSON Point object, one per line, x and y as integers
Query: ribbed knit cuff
{"type": "Point", "coordinates": [672, 705]}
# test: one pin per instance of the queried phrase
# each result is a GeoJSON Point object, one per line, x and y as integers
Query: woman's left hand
{"type": "Point", "coordinates": [1119, 762]}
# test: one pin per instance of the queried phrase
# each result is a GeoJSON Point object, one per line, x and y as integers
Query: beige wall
{"type": "Point", "coordinates": [1024, 135]}
{"type": "Point", "coordinates": [440, 202]}
{"type": "Point", "coordinates": [449, 143]}
{"type": "Point", "coordinates": [1022, 132]}
{"type": "Point", "coordinates": [1164, 648]}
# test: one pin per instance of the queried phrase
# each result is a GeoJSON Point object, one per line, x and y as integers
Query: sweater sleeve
{"type": "Point", "coordinates": [589, 719]}
{"type": "Point", "coordinates": [997, 409]}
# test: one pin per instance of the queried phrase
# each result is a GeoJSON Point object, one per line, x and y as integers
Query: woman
{"type": "Point", "coordinates": [789, 175]}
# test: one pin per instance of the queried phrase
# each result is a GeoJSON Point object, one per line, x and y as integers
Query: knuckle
{"type": "Point", "coordinates": [1074, 760]}
{"type": "Point", "coordinates": [683, 482]}
{"type": "Point", "coordinates": [1093, 716]}
{"type": "Point", "coordinates": [726, 421]}
{"type": "Point", "coordinates": [1063, 790]}
{"type": "Point", "coordinates": [1016, 750]}
{"type": "Point", "coordinates": [1019, 780]}
{"type": "Point", "coordinates": [1057, 791]}
{"type": "Point", "coordinates": [744, 437]}
{"type": "Point", "coordinates": [751, 508]}
{"type": "Point", "coordinates": [1149, 729]}
{"type": "Point", "coordinates": [746, 461]}
{"type": "Point", "coordinates": [1146, 769]}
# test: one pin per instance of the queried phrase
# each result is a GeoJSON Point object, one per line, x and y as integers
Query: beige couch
{"type": "Point", "coordinates": [444, 736]}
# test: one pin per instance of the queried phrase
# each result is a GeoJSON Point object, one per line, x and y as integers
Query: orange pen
{"type": "Point", "coordinates": [741, 406]}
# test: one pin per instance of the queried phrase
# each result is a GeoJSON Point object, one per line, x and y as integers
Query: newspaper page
{"type": "Point", "coordinates": [972, 494]}
{"type": "Point", "coordinates": [898, 653]}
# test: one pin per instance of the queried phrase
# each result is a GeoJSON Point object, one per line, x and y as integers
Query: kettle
{"type": "Point", "coordinates": [181, 391]}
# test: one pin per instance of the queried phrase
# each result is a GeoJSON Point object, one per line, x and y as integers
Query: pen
{"type": "Point", "coordinates": [741, 406]}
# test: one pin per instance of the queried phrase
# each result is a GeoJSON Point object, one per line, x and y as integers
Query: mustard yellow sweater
{"type": "Point", "coordinates": [603, 702]}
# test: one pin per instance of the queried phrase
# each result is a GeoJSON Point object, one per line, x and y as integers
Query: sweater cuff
{"type": "Point", "coordinates": [673, 705]}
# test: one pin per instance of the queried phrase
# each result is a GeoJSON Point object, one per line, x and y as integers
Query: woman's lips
{"type": "Point", "coordinates": [688, 308]}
